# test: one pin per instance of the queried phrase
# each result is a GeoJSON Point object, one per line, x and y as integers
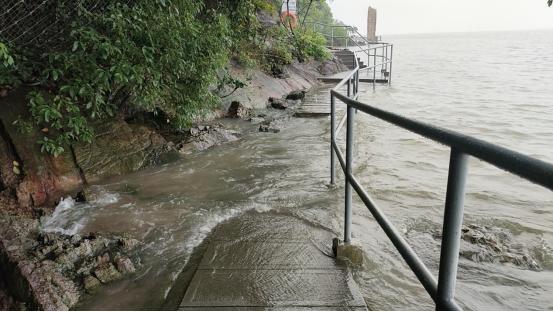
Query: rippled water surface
{"type": "Point", "coordinates": [496, 86]}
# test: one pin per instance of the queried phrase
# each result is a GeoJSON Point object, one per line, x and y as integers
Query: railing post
{"type": "Point", "coordinates": [349, 170]}
{"type": "Point", "coordinates": [349, 87]}
{"type": "Point", "coordinates": [387, 59]}
{"type": "Point", "coordinates": [451, 234]}
{"type": "Point", "coordinates": [356, 83]}
{"type": "Point", "coordinates": [391, 62]}
{"type": "Point", "coordinates": [332, 139]}
{"type": "Point", "coordinates": [382, 60]}
{"type": "Point", "coordinates": [374, 69]}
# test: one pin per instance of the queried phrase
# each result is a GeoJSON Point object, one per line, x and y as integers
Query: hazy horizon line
{"type": "Point", "coordinates": [467, 31]}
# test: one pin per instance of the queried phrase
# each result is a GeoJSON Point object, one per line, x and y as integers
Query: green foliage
{"type": "Point", "coordinates": [319, 12]}
{"type": "Point", "coordinates": [24, 126]}
{"type": "Point", "coordinates": [5, 58]}
{"type": "Point", "coordinates": [156, 55]}
{"type": "Point", "coordinates": [264, 5]}
{"type": "Point", "coordinates": [278, 51]}
{"type": "Point", "coordinates": [153, 55]}
{"type": "Point", "coordinates": [310, 44]}
{"type": "Point", "coordinates": [12, 67]}
{"type": "Point", "coordinates": [225, 80]}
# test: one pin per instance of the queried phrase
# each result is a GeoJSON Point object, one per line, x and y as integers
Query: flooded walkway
{"type": "Point", "coordinates": [248, 265]}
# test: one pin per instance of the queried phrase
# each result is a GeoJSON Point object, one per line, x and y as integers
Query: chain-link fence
{"type": "Point", "coordinates": [41, 24]}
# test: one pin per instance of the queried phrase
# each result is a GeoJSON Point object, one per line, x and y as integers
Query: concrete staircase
{"type": "Point", "coordinates": [348, 58]}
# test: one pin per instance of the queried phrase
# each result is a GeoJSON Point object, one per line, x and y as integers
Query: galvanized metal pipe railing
{"type": "Point", "coordinates": [462, 147]}
{"type": "Point", "coordinates": [386, 54]}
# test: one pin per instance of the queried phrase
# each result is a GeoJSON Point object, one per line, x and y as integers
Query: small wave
{"type": "Point", "coordinates": [496, 245]}
{"type": "Point", "coordinates": [101, 197]}
{"type": "Point", "coordinates": [55, 223]}
{"type": "Point", "coordinates": [69, 218]}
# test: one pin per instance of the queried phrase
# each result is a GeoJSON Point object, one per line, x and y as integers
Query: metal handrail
{"type": "Point", "coordinates": [462, 147]}
{"type": "Point", "coordinates": [385, 56]}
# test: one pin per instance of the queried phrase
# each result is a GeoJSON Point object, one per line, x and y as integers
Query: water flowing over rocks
{"type": "Point", "coordinates": [52, 271]}
{"type": "Point", "coordinates": [494, 245]}
{"type": "Point", "coordinates": [203, 137]}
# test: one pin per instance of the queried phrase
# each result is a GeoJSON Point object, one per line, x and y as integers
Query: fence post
{"type": "Point", "coordinates": [332, 139]}
{"type": "Point", "coordinates": [451, 234]}
{"type": "Point", "coordinates": [374, 69]}
{"type": "Point", "coordinates": [382, 61]}
{"type": "Point", "coordinates": [349, 87]}
{"type": "Point", "coordinates": [349, 170]}
{"type": "Point", "coordinates": [387, 58]}
{"type": "Point", "coordinates": [356, 84]}
{"type": "Point", "coordinates": [391, 62]}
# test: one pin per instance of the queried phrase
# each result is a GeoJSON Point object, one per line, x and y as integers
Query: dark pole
{"type": "Point", "coordinates": [306, 12]}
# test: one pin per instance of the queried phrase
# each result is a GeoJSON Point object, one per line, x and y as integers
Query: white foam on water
{"type": "Point", "coordinates": [69, 217]}
{"type": "Point", "coordinates": [57, 223]}
{"type": "Point", "coordinates": [105, 198]}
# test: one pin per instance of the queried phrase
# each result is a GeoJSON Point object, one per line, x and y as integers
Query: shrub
{"type": "Point", "coordinates": [150, 55]}
{"type": "Point", "coordinates": [309, 44]}
{"type": "Point", "coordinates": [153, 55]}
{"type": "Point", "coordinates": [12, 69]}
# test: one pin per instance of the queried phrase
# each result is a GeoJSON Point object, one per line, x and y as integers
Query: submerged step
{"type": "Point", "coordinates": [270, 261]}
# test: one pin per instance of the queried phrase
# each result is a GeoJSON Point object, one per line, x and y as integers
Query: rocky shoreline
{"type": "Point", "coordinates": [53, 271]}
{"type": "Point", "coordinates": [48, 271]}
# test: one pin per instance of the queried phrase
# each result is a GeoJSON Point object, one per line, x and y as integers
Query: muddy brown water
{"type": "Point", "coordinates": [507, 259]}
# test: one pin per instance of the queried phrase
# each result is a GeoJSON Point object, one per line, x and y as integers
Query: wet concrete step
{"type": "Point", "coordinates": [277, 289]}
{"type": "Point", "coordinates": [269, 261]}
{"type": "Point", "coordinates": [364, 76]}
{"type": "Point", "coordinates": [347, 57]}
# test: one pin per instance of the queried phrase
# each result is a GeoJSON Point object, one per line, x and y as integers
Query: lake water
{"type": "Point", "coordinates": [495, 86]}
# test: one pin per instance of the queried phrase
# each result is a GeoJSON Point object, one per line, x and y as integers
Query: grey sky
{"type": "Point", "coordinates": [426, 16]}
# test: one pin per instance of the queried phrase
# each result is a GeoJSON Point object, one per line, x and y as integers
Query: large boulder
{"type": "Point", "coordinates": [331, 67]}
{"type": "Point", "coordinates": [119, 148]}
{"type": "Point", "coordinates": [296, 95]}
{"type": "Point", "coordinates": [203, 137]}
{"type": "Point", "coordinates": [278, 103]}
{"type": "Point", "coordinates": [38, 179]}
{"type": "Point", "coordinates": [238, 110]}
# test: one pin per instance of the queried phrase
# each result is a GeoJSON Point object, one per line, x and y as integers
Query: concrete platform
{"type": "Point", "coordinates": [267, 261]}
{"type": "Point", "coordinates": [364, 76]}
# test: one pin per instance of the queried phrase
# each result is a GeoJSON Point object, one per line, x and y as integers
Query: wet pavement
{"type": "Point", "coordinates": [287, 266]}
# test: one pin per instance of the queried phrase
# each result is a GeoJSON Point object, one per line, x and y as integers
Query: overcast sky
{"type": "Point", "coordinates": [427, 16]}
